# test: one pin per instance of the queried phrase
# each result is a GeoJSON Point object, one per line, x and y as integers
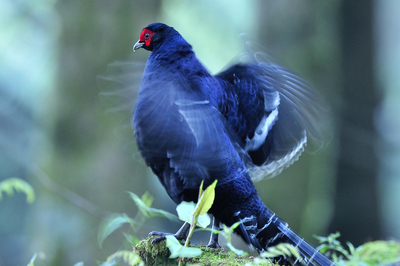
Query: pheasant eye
{"type": "Point", "coordinates": [145, 36]}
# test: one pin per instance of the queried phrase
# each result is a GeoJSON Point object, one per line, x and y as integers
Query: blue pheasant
{"type": "Point", "coordinates": [253, 119]}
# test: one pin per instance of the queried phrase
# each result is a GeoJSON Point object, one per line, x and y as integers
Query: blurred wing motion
{"type": "Point", "coordinates": [188, 137]}
{"type": "Point", "coordinates": [117, 85]}
{"type": "Point", "coordinates": [118, 92]}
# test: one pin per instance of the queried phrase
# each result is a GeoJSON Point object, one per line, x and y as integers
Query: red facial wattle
{"type": "Point", "coordinates": [145, 36]}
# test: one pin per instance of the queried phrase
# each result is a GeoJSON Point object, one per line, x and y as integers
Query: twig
{"type": "Point", "coordinates": [67, 194]}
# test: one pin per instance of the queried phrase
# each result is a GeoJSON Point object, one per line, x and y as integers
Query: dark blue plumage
{"type": "Point", "coordinates": [190, 126]}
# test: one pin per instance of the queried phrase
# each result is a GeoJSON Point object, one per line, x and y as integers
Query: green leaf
{"type": "Point", "coordinates": [132, 240]}
{"type": "Point", "coordinates": [147, 199]}
{"type": "Point", "coordinates": [149, 212]}
{"type": "Point", "coordinates": [129, 257]}
{"type": "Point", "coordinates": [185, 212]}
{"type": "Point", "coordinates": [206, 200]}
{"type": "Point", "coordinates": [112, 224]}
{"type": "Point", "coordinates": [178, 250]}
{"type": "Point", "coordinates": [9, 185]}
{"type": "Point", "coordinates": [189, 252]}
{"type": "Point", "coordinates": [203, 220]}
{"type": "Point", "coordinates": [282, 249]}
{"type": "Point", "coordinates": [231, 228]}
{"type": "Point", "coordinates": [173, 245]}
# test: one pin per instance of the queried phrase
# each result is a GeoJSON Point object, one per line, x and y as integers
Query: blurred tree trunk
{"type": "Point", "coordinates": [356, 213]}
{"type": "Point", "coordinates": [303, 36]}
{"type": "Point", "coordinates": [388, 120]}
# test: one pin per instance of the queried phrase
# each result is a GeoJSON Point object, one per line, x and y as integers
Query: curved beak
{"type": "Point", "coordinates": [138, 45]}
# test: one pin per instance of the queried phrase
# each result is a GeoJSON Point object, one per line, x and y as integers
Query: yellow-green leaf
{"type": "Point", "coordinates": [206, 200]}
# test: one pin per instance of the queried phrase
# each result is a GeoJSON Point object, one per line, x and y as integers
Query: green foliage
{"type": "Point", "coordinates": [144, 205]}
{"type": "Point", "coordinates": [158, 254]}
{"type": "Point", "coordinates": [129, 257]}
{"type": "Point", "coordinates": [227, 233]}
{"type": "Point", "coordinates": [206, 199]}
{"type": "Point", "coordinates": [282, 249]}
{"type": "Point", "coordinates": [9, 185]}
{"type": "Point", "coordinates": [118, 220]}
{"type": "Point", "coordinates": [375, 253]}
{"type": "Point", "coordinates": [369, 254]}
{"type": "Point", "coordinates": [203, 205]}
{"type": "Point", "coordinates": [178, 250]}
{"type": "Point", "coordinates": [112, 224]}
{"type": "Point", "coordinates": [196, 215]}
{"type": "Point", "coordinates": [331, 246]}
{"type": "Point", "coordinates": [186, 211]}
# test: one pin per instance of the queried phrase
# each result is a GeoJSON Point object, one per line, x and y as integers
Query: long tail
{"type": "Point", "coordinates": [267, 230]}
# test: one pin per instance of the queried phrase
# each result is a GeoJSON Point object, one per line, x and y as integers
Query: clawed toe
{"type": "Point", "coordinates": [180, 235]}
{"type": "Point", "coordinates": [161, 236]}
{"type": "Point", "coordinates": [213, 245]}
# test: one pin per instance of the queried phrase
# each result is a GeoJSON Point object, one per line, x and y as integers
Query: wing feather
{"type": "Point", "coordinates": [293, 114]}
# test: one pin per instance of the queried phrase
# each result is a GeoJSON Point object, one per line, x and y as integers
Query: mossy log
{"type": "Point", "coordinates": [158, 254]}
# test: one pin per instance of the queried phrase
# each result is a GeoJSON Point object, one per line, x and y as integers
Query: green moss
{"type": "Point", "coordinates": [369, 254]}
{"type": "Point", "coordinates": [154, 254]}
{"type": "Point", "coordinates": [157, 254]}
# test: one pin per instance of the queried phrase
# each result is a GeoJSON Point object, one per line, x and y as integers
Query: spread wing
{"type": "Point", "coordinates": [279, 114]}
